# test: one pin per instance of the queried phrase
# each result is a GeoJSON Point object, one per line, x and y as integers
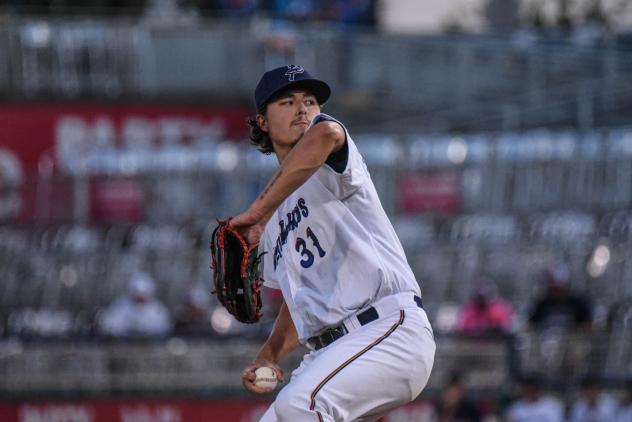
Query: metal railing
{"type": "Point", "coordinates": [211, 367]}
{"type": "Point", "coordinates": [408, 82]}
{"type": "Point", "coordinates": [196, 366]}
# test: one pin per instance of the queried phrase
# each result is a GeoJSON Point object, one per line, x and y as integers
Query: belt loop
{"type": "Point", "coordinates": [367, 316]}
{"type": "Point", "coordinates": [351, 323]}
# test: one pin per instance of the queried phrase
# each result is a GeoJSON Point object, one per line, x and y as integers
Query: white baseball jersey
{"type": "Point", "coordinates": [330, 247]}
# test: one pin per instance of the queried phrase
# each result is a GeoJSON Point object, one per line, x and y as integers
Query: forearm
{"type": "Point", "coordinates": [282, 340]}
{"type": "Point", "coordinates": [298, 166]}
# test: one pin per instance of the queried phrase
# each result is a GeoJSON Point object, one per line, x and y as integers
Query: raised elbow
{"type": "Point", "coordinates": [331, 134]}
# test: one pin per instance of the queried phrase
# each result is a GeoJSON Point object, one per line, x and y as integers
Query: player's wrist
{"type": "Point", "coordinates": [264, 360]}
{"type": "Point", "coordinates": [258, 212]}
{"type": "Point", "coordinates": [266, 356]}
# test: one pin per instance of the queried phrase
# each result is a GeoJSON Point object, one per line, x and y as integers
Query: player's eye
{"type": "Point", "coordinates": [310, 102]}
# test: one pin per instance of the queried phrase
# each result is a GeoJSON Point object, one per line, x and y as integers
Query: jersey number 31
{"type": "Point", "coordinates": [308, 256]}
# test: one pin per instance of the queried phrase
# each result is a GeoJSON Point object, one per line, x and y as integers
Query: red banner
{"type": "Point", "coordinates": [168, 411]}
{"type": "Point", "coordinates": [116, 200]}
{"type": "Point", "coordinates": [134, 411]}
{"type": "Point", "coordinates": [33, 130]}
{"type": "Point", "coordinates": [430, 193]}
{"type": "Point", "coordinates": [39, 141]}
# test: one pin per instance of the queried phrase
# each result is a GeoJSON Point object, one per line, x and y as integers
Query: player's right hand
{"type": "Point", "coordinates": [248, 376]}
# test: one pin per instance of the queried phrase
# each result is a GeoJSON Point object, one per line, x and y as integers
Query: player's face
{"type": "Point", "coordinates": [288, 117]}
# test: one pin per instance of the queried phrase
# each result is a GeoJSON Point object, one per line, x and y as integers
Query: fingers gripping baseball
{"type": "Point", "coordinates": [252, 384]}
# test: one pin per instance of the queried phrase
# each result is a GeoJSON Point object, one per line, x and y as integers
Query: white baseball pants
{"type": "Point", "coordinates": [364, 374]}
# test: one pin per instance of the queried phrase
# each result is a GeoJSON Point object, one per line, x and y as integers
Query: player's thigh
{"type": "Point", "coordinates": [380, 366]}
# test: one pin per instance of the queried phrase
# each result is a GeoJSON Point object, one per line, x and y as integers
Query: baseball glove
{"type": "Point", "coordinates": [237, 274]}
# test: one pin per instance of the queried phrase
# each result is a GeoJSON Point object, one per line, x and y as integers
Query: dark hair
{"type": "Point", "coordinates": [260, 139]}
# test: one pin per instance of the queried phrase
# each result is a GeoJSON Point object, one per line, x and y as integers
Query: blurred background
{"type": "Point", "coordinates": [498, 134]}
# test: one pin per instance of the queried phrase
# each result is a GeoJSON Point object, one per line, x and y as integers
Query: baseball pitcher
{"type": "Point", "coordinates": [349, 294]}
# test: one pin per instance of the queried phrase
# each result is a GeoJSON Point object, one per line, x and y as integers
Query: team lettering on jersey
{"type": "Point", "coordinates": [286, 226]}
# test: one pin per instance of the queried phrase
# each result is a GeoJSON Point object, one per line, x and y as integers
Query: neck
{"type": "Point", "coordinates": [281, 153]}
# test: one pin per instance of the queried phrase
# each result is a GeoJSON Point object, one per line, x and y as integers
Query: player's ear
{"type": "Point", "coordinates": [262, 122]}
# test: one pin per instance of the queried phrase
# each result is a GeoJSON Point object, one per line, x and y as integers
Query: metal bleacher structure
{"type": "Point", "coordinates": [529, 196]}
{"type": "Point", "coordinates": [393, 83]}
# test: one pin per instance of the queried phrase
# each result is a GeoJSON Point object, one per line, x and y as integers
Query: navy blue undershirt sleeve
{"type": "Point", "coordinates": [337, 160]}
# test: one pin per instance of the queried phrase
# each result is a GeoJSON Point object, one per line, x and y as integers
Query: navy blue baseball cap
{"type": "Point", "coordinates": [291, 76]}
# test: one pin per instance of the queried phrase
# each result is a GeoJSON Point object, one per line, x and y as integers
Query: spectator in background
{"type": "Point", "coordinates": [625, 407]}
{"type": "Point", "coordinates": [348, 13]}
{"type": "Point", "coordinates": [593, 405]}
{"type": "Point", "coordinates": [559, 307]}
{"type": "Point", "coordinates": [355, 12]}
{"type": "Point", "coordinates": [486, 311]}
{"type": "Point", "coordinates": [138, 313]}
{"type": "Point", "coordinates": [455, 405]}
{"type": "Point", "coordinates": [193, 317]}
{"type": "Point", "coordinates": [296, 10]}
{"type": "Point", "coordinates": [533, 405]}
{"type": "Point", "coordinates": [238, 8]}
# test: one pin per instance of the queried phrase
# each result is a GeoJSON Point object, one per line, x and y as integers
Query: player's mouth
{"type": "Point", "coordinates": [301, 123]}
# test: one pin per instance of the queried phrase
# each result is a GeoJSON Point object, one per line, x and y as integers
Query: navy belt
{"type": "Point", "coordinates": [334, 333]}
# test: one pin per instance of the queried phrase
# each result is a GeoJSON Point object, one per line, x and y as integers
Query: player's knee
{"type": "Point", "coordinates": [293, 405]}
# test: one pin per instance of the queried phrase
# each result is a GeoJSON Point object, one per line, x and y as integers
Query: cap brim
{"type": "Point", "coordinates": [320, 89]}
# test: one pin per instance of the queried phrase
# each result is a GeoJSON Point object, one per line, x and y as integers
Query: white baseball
{"type": "Point", "coordinates": [266, 377]}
